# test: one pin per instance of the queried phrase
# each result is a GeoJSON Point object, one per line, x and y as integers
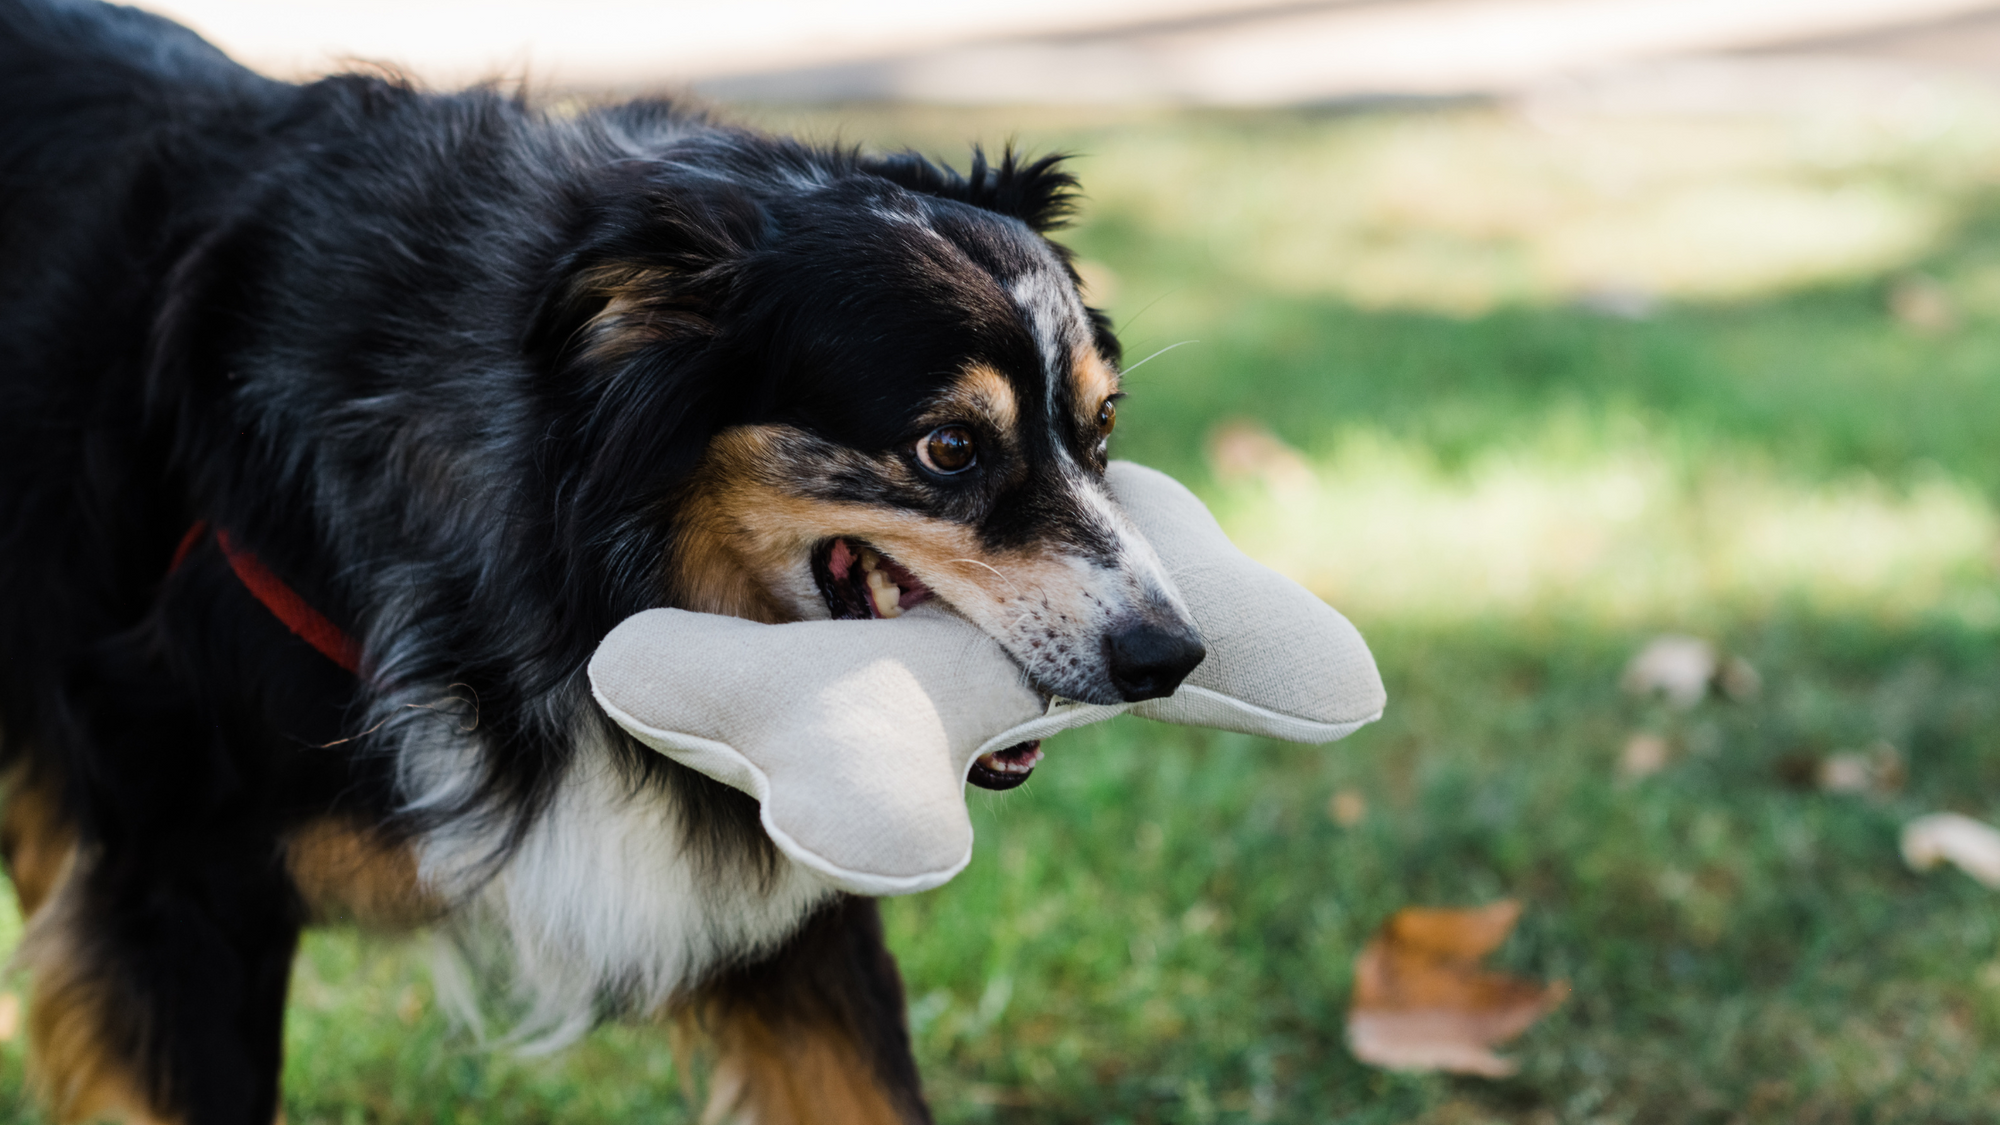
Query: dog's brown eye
{"type": "Point", "coordinates": [947, 450]}
{"type": "Point", "coordinates": [1107, 416]}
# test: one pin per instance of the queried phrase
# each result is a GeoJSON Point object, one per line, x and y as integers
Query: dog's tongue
{"type": "Point", "coordinates": [841, 560]}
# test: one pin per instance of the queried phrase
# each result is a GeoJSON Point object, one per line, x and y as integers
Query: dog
{"type": "Point", "coordinates": [340, 421]}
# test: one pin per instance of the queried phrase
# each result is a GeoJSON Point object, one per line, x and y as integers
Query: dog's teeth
{"type": "Point", "coordinates": [887, 596]}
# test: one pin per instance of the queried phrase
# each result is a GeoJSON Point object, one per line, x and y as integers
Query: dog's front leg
{"type": "Point", "coordinates": [160, 946]}
{"type": "Point", "coordinates": [815, 1034]}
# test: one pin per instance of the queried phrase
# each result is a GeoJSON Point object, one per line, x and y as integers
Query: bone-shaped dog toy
{"type": "Point", "coordinates": [856, 736]}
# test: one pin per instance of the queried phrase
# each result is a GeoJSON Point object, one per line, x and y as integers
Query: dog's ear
{"type": "Point", "coordinates": [623, 334]}
{"type": "Point", "coordinates": [1038, 192]}
{"type": "Point", "coordinates": [651, 269]}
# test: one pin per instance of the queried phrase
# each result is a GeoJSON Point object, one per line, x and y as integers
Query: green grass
{"type": "Point", "coordinates": [1175, 913]}
{"type": "Point", "coordinates": [1161, 926]}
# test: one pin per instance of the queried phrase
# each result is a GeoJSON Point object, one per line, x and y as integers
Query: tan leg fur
{"type": "Point", "coordinates": [801, 1075]}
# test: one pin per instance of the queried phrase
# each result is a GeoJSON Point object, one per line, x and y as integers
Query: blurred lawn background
{"type": "Point", "coordinates": [1517, 387]}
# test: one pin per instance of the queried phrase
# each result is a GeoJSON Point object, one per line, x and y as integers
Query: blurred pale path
{"type": "Point", "coordinates": [1240, 52]}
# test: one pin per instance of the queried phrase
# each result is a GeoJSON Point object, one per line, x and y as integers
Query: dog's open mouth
{"type": "Point", "coordinates": [861, 583]}
{"type": "Point", "coordinates": [1004, 769]}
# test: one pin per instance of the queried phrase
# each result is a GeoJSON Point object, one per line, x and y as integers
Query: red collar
{"type": "Point", "coordinates": [284, 603]}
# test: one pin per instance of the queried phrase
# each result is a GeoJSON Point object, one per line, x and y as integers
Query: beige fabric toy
{"type": "Point", "coordinates": [860, 766]}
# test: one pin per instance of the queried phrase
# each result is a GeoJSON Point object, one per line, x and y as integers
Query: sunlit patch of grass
{"type": "Point", "coordinates": [1465, 210]}
{"type": "Point", "coordinates": [1622, 535]}
{"type": "Point", "coordinates": [1461, 212]}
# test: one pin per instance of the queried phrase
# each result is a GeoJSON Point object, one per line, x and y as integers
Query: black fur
{"type": "Point", "coordinates": [351, 323]}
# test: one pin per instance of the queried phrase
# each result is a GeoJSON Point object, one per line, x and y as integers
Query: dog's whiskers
{"type": "Point", "coordinates": [996, 573]}
{"type": "Point", "coordinates": [1156, 355]}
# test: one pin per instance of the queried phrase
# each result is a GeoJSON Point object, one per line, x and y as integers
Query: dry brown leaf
{"type": "Point", "coordinates": [10, 1016]}
{"type": "Point", "coordinates": [1846, 772]}
{"type": "Point", "coordinates": [1347, 808]}
{"type": "Point", "coordinates": [1644, 756]}
{"type": "Point", "coordinates": [1421, 1001]}
{"type": "Point", "coordinates": [1879, 769]}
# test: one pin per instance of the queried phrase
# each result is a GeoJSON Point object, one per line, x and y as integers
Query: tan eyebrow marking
{"type": "Point", "coordinates": [1095, 381]}
{"type": "Point", "coordinates": [983, 392]}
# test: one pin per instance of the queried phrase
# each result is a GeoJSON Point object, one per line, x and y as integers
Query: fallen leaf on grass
{"type": "Point", "coordinates": [1948, 837]}
{"type": "Point", "coordinates": [1347, 808]}
{"type": "Point", "coordinates": [1644, 756]}
{"type": "Point", "coordinates": [1421, 1001]}
{"type": "Point", "coordinates": [1684, 669]}
{"type": "Point", "coordinates": [10, 1016]}
{"type": "Point", "coordinates": [1879, 769]}
{"type": "Point", "coordinates": [1675, 666]}
{"type": "Point", "coordinates": [1846, 772]}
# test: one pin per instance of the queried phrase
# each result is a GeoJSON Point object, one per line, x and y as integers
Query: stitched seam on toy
{"type": "Point", "coordinates": [1344, 727]}
{"type": "Point", "coordinates": [1081, 715]}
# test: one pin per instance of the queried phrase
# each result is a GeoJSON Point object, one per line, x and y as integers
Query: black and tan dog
{"type": "Point", "coordinates": [339, 422]}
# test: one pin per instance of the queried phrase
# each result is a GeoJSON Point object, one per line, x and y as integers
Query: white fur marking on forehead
{"type": "Point", "coordinates": [1056, 317]}
{"type": "Point", "coordinates": [910, 218]}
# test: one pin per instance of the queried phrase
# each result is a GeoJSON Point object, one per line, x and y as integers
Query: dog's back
{"type": "Point", "coordinates": [93, 95]}
{"type": "Point", "coordinates": [80, 80]}
{"type": "Point", "coordinates": [93, 98]}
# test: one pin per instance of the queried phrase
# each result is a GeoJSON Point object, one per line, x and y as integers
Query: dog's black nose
{"type": "Point", "coordinates": [1148, 660]}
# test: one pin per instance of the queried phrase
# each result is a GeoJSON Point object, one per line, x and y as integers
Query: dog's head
{"type": "Point", "coordinates": [905, 399]}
